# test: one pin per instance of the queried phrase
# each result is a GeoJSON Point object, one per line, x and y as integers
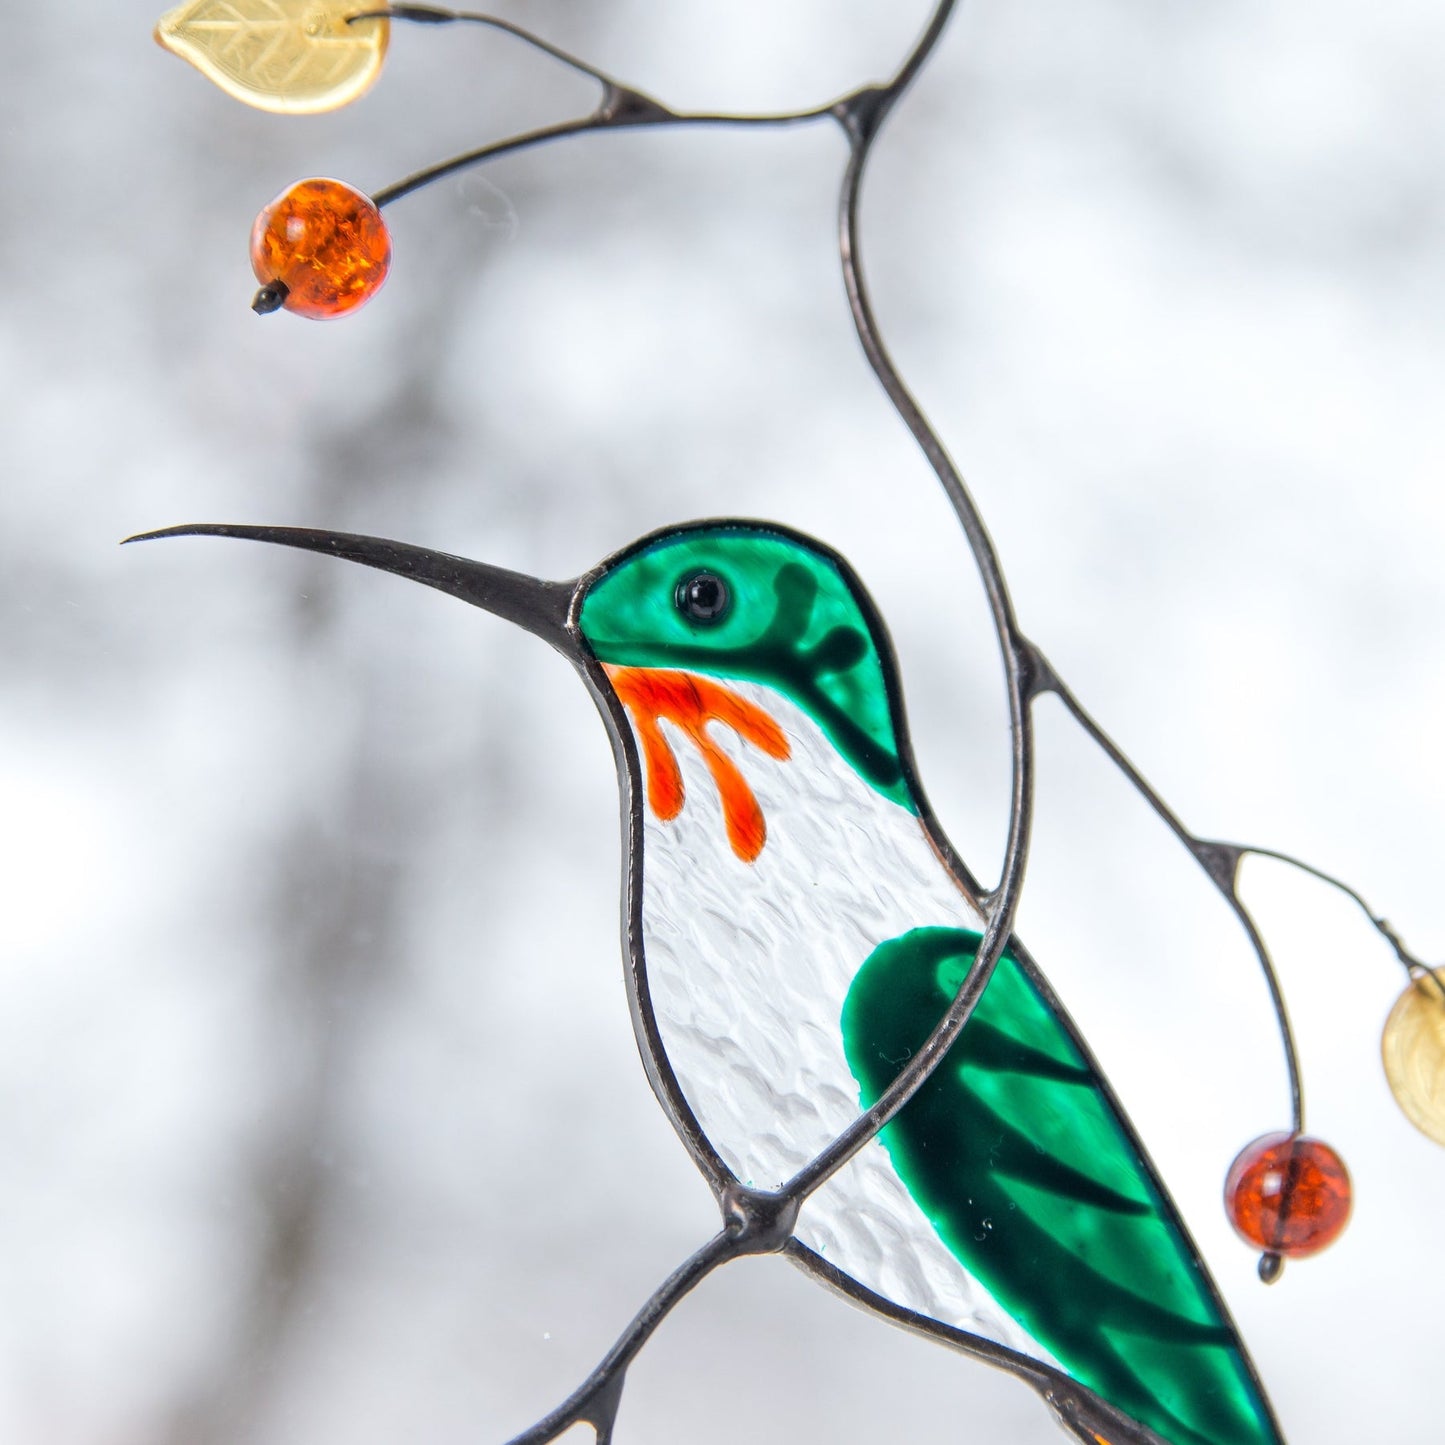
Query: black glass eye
{"type": "Point", "coordinates": [703, 597]}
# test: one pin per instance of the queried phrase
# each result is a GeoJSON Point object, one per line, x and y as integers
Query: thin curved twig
{"type": "Point", "coordinates": [435, 15]}
{"type": "Point", "coordinates": [1416, 967]}
{"type": "Point", "coordinates": [619, 106]}
{"type": "Point", "coordinates": [484, 153]}
{"type": "Point", "coordinates": [861, 116]}
{"type": "Point", "coordinates": [1220, 862]}
{"type": "Point", "coordinates": [595, 1400]}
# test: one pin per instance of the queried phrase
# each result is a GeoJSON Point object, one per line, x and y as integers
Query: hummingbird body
{"type": "Point", "coordinates": [803, 928]}
{"type": "Point", "coordinates": [749, 965]}
{"type": "Point", "coordinates": [796, 924]}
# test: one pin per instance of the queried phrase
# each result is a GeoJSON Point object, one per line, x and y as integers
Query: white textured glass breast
{"type": "Point", "coordinates": [748, 965]}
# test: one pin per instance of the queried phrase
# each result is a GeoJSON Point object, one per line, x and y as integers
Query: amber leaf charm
{"type": "Point", "coordinates": [1414, 1052]}
{"type": "Point", "coordinates": [295, 57]}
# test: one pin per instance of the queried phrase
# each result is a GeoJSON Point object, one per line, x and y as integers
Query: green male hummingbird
{"type": "Point", "coordinates": [796, 923]}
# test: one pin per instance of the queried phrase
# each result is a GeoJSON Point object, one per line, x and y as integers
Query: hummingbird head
{"type": "Point", "coordinates": [755, 602]}
{"type": "Point", "coordinates": [669, 625]}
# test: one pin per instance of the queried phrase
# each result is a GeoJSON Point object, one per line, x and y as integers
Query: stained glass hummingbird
{"type": "Point", "coordinates": [797, 923]}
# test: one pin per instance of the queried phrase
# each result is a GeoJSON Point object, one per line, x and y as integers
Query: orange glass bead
{"type": "Point", "coordinates": [1288, 1195]}
{"type": "Point", "coordinates": [320, 249]}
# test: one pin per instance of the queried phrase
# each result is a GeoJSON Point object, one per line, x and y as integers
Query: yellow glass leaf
{"type": "Point", "coordinates": [296, 57]}
{"type": "Point", "coordinates": [1414, 1052]}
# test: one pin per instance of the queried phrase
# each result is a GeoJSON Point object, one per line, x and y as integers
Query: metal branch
{"type": "Point", "coordinates": [1220, 861]}
{"type": "Point", "coordinates": [532, 138]}
{"type": "Point", "coordinates": [1414, 966]}
{"type": "Point", "coordinates": [861, 115]}
{"type": "Point", "coordinates": [434, 15]}
{"type": "Point", "coordinates": [619, 106]}
{"type": "Point", "coordinates": [596, 1399]}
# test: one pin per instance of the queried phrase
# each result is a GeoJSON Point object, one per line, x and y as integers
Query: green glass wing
{"type": "Point", "coordinates": [1015, 1152]}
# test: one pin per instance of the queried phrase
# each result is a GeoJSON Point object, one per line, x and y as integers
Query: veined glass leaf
{"type": "Point", "coordinates": [1413, 1048]}
{"type": "Point", "coordinates": [295, 57]}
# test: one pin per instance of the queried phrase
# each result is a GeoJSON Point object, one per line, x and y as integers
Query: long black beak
{"type": "Point", "coordinates": [540, 607]}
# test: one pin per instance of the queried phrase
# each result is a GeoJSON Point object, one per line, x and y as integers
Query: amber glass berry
{"type": "Point", "coordinates": [326, 245]}
{"type": "Point", "coordinates": [1288, 1194]}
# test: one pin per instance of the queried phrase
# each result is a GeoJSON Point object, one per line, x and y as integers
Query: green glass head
{"type": "Point", "coordinates": [762, 604]}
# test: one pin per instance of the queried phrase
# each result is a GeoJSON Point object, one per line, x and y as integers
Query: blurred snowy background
{"type": "Point", "coordinates": [320, 1114]}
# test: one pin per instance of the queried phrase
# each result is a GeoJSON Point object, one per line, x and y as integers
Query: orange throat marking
{"type": "Point", "coordinates": [652, 695]}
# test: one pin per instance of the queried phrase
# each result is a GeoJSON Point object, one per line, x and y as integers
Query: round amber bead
{"type": "Point", "coordinates": [326, 244]}
{"type": "Point", "coordinates": [1288, 1194]}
